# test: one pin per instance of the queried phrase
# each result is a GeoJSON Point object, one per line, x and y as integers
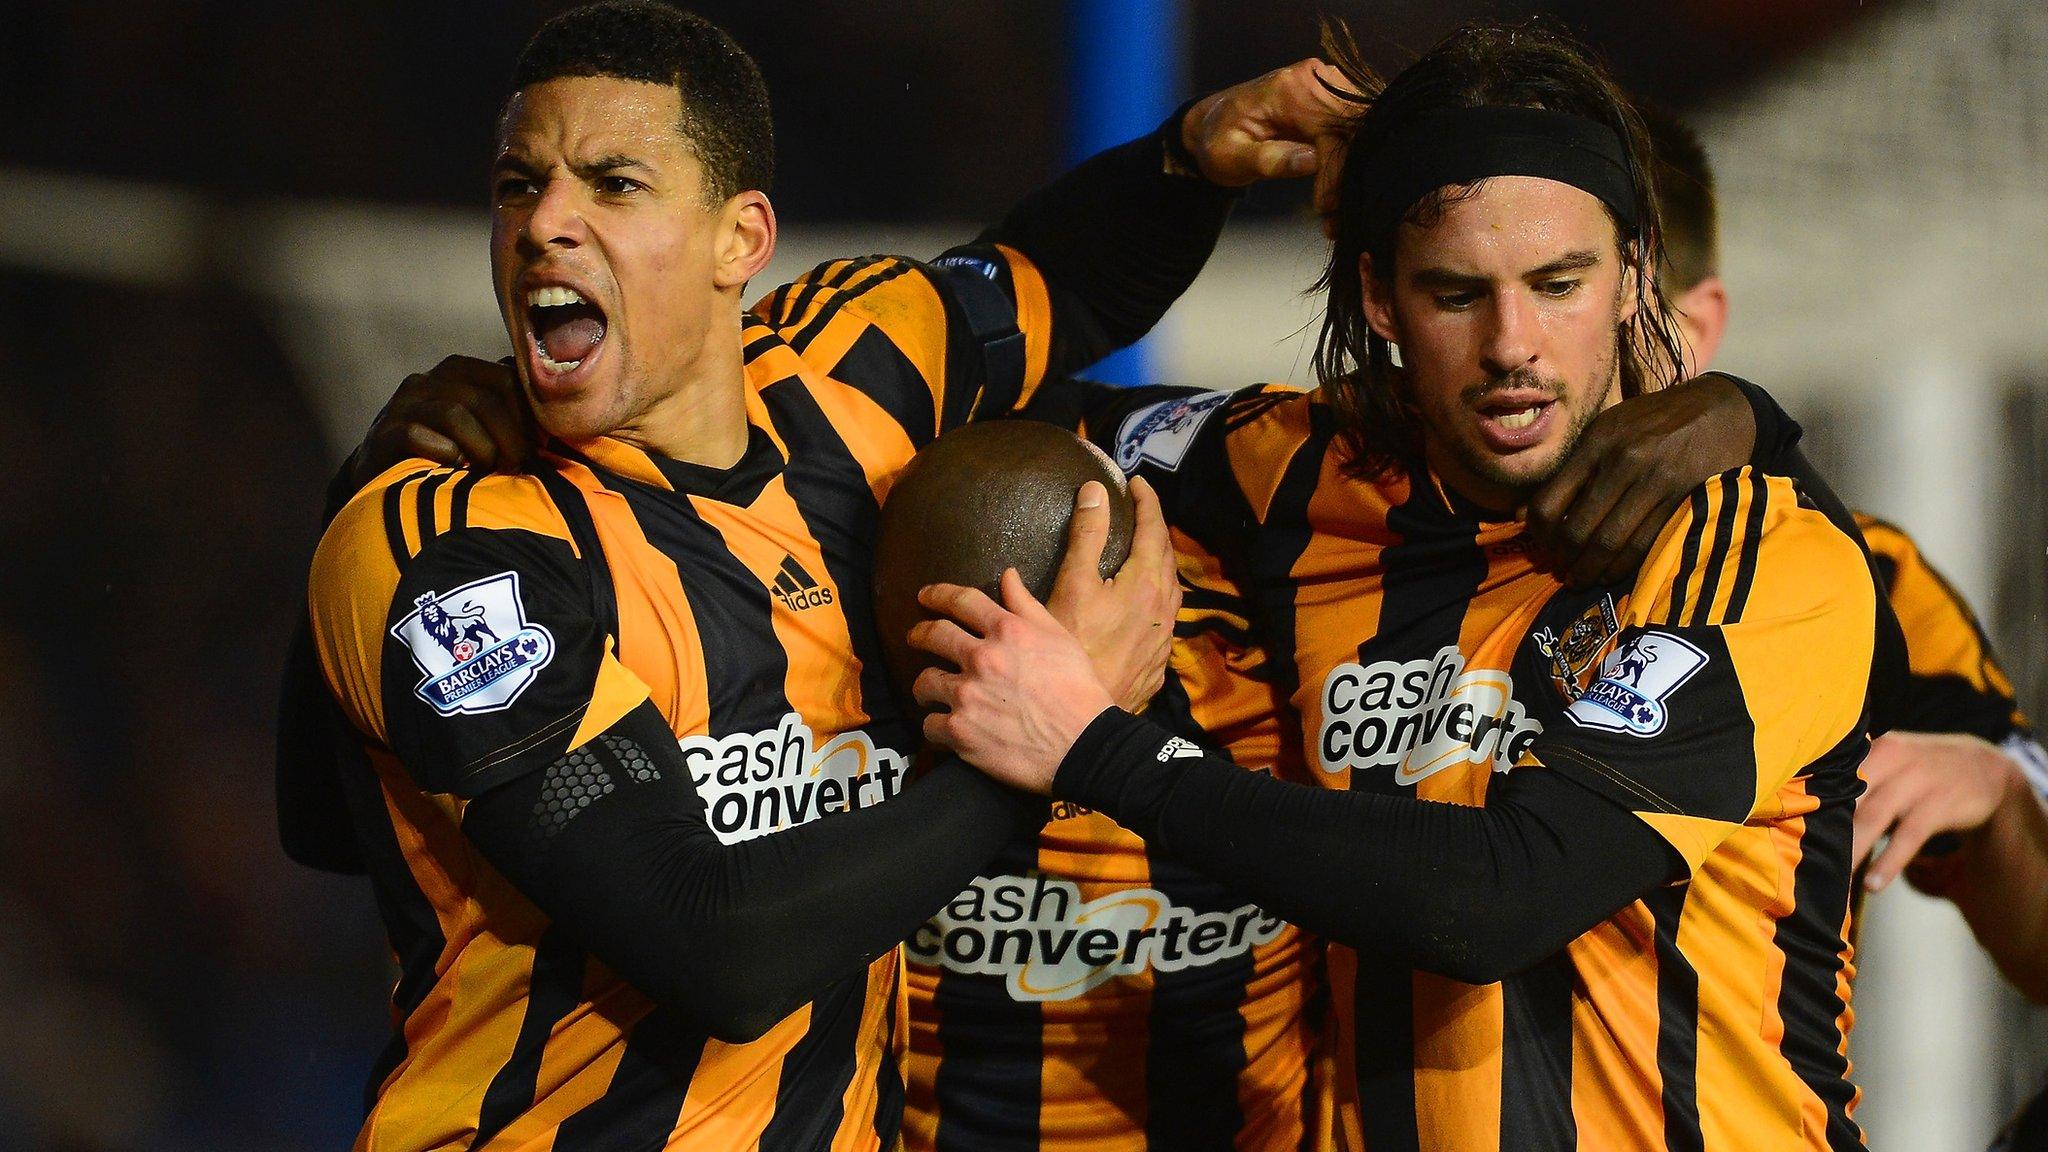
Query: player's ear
{"type": "Point", "coordinates": [1702, 319]}
{"type": "Point", "coordinates": [746, 239]}
{"type": "Point", "coordinates": [1378, 296]}
{"type": "Point", "coordinates": [1631, 283]}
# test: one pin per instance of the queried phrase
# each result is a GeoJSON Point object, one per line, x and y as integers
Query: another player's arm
{"type": "Point", "coordinates": [1592, 821]}
{"type": "Point", "coordinates": [1956, 787]}
{"type": "Point", "coordinates": [575, 789]}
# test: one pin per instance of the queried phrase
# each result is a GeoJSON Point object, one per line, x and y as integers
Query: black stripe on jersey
{"type": "Point", "coordinates": [409, 919]}
{"type": "Point", "coordinates": [554, 987]}
{"type": "Point", "coordinates": [1195, 1050]}
{"type": "Point", "coordinates": [809, 332]}
{"type": "Point", "coordinates": [989, 1084]}
{"type": "Point", "coordinates": [847, 270]}
{"type": "Point", "coordinates": [1283, 537]}
{"type": "Point", "coordinates": [1209, 599]}
{"type": "Point", "coordinates": [575, 512]}
{"type": "Point", "coordinates": [831, 492]}
{"type": "Point", "coordinates": [1752, 544]}
{"type": "Point", "coordinates": [1688, 555]}
{"type": "Point", "coordinates": [772, 307]}
{"type": "Point", "coordinates": [758, 334]}
{"type": "Point", "coordinates": [1536, 1059]}
{"type": "Point", "coordinates": [1678, 1024]}
{"type": "Point", "coordinates": [745, 668]}
{"type": "Point", "coordinates": [810, 1101]}
{"type": "Point", "coordinates": [1242, 412]}
{"type": "Point", "coordinates": [1429, 580]}
{"type": "Point", "coordinates": [1232, 633]}
{"type": "Point", "coordinates": [889, 1093]}
{"type": "Point", "coordinates": [394, 522]}
{"type": "Point", "coordinates": [640, 1106]}
{"type": "Point", "coordinates": [1810, 939]}
{"type": "Point", "coordinates": [423, 497]}
{"type": "Point", "coordinates": [1718, 547]}
{"type": "Point", "coordinates": [805, 296]}
{"type": "Point", "coordinates": [882, 372]}
{"type": "Point", "coordinates": [458, 501]}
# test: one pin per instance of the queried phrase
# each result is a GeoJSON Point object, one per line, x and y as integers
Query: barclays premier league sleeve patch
{"type": "Point", "coordinates": [1162, 432]}
{"type": "Point", "coordinates": [474, 646]}
{"type": "Point", "coordinates": [1635, 681]}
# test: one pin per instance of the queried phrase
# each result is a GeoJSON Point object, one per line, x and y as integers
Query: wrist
{"type": "Point", "coordinates": [1181, 138]}
{"type": "Point", "coordinates": [1086, 757]}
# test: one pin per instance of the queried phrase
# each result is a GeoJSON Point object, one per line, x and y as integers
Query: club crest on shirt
{"type": "Point", "coordinates": [1163, 432]}
{"type": "Point", "coordinates": [474, 645]}
{"type": "Point", "coordinates": [1635, 681]}
{"type": "Point", "coordinates": [1575, 653]}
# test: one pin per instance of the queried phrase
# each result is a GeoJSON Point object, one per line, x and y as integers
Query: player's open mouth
{"type": "Point", "coordinates": [1512, 423]}
{"type": "Point", "coordinates": [564, 329]}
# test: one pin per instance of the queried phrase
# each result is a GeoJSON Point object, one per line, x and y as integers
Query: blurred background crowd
{"type": "Point", "coordinates": [227, 230]}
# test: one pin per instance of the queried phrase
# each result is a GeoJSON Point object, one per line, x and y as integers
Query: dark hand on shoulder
{"type": "Point", "coordinates": [465, 412]}
{"type": "Point", "coordinates": [1597, 518]}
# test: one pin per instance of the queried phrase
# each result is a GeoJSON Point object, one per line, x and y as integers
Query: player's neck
{"type": "Point", "coordinates": [1496, 501]}
{"type": "Point", "coordinates": [702, 417]}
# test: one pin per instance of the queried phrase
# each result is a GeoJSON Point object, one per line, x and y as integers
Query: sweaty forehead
{"type": "Point", "coordinates": [1506, 225]}
{"type": "Point", "coordinates": [579, 117]}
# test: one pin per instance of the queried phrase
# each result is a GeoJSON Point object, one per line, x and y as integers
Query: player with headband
{"type": "Point", "coordinates": [1582, 853]}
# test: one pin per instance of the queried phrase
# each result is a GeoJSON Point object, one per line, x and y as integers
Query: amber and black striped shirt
{"type": "Point", "coordinates": [476, 627]}
{"type": "Point", "coordinates": [1720, 696]}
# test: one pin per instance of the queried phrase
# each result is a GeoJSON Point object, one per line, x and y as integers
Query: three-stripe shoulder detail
{"type": "Point", "coordinates": [1727, 519]}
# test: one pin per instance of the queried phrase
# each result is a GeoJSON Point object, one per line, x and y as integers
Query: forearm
{"type": "Point", "coordinates": [737, 936]}
{"type": "Point", "coordinates": [1777, 433]}
{"type": "Point", "coordinates": [1997, 879]}
{"type": "Point", "coordinates": [1118, 240]}
{"type": "Point", "coordinates": [1471, 893]}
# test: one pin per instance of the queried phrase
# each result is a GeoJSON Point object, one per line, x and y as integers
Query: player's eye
{"type": "Point", "coordinates": [513, 188]}
{"type": "Point", "coordinates": [1456, 301]}
{"type": "Point", "coordinates": [1558, 289]}
{"type": "Point", "coordinates": [618, 185]}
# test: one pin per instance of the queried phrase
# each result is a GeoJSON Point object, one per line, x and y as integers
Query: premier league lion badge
{"type": "Point", "coordinates": [1162, 432]}
{"type": "Point", "coordinates": [1634, 684]}
{"type": "Point", "coordinates": [474, 645]}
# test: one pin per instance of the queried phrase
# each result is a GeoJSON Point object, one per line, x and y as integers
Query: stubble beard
{"type": "Point", "coordinates": [1524, 480]}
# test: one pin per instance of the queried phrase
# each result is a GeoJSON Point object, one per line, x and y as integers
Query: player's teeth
{"type": "Point", "coordinates": [552, 297]}
{"type": "Point", "coordinates": [1522, 419]}
{"type": "Point", "coordinates": [557, 365]}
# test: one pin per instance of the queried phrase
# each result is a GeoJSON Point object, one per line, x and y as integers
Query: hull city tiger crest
{"type": "Point", "coordinates": [1574, 655]}
{"type": "Point", "coordinates": [474, 645]}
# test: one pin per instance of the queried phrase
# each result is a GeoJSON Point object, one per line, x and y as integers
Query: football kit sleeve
{"type": "Point", "coordinates": [1471, 893]}
{"type": "Point", "coordinates": [1955, 682]}
{"type": "Point", "coordinates": [482, 667]}
{"type": "Point", "coordinates": [1743, 664]}
{"type": "Point", "coordinates": [1078, 269]}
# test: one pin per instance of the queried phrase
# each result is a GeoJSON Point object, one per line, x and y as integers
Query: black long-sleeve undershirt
{"type": "Point", "coordinates": [733, 936]}
{"type": "Point", "coordinates": [1475, 894]}
{"type": "Point", "coordinates": [1118, 239]}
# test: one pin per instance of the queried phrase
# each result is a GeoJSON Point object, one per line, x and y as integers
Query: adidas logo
{"type": "Point", "coordinates": [796, 589]}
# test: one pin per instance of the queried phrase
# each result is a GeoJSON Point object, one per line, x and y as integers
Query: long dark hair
{"type": "Point", "coordinates": [1479, 65]}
